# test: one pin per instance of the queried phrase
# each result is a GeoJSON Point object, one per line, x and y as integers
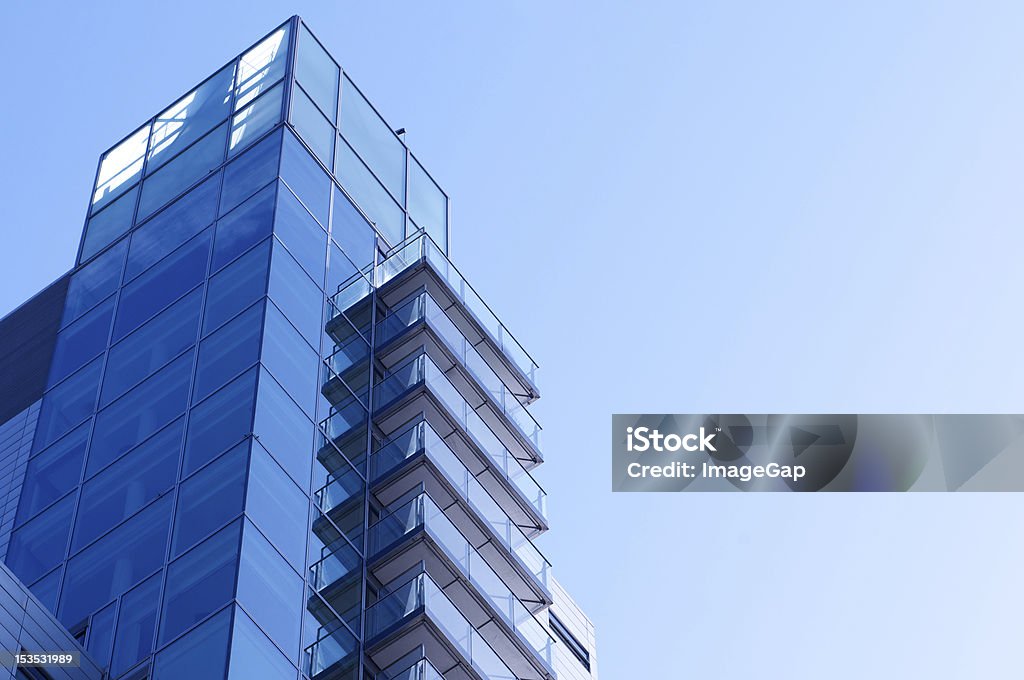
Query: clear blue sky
{"type": "Point", "coordinates": [692, 207]}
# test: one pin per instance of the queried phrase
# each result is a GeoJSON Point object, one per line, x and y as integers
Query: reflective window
{"type": "Point", "coordinates": [128, 485]}
{"type": "Point", "coordinates": [101, 635]}
{"type": "Point", "coordinates": [209, 498]}
{"type": "Point", "coordinates": [237, 286]}
{"type": "Point", "coordinates": [68, 404]}
{"type": "Point", "coordinates": [45, 589]}
{"type": "Point", "coordinates": [169, 334]}
{"type": "Point", "coordinates": [373, 139]}
{"type": "Point", "coordinates": [284, 430]}
{"type": "Point", "coordinates": [115, 563]}
{"type": "Point", "coordinates": [291, 358]}
{"type": "Point", "coordinates": [317, 73]}
{"type": "Point", "coordinates": [107, 225]}
{"type": "Point", "coordinates": [304, 238]}
{"type": "Point", "coordinates": [187, 168]}
{"type": "Point", "coordinates": [120, 167]}
{"type": "Point", "coordinates": [94, 282]}
{"type": "Point", "coordinates": [293, 290]}
{"type": "Point", "coordinates": [277, 506]}
{"type": "Point", "coordinates": [339, 270]}
{"type": "Point", "coordinates": [269, 590]}
{"type": "Point", "coordinates": [428, 206]}
{"type": "Point", "coordinates": [220, 422]}
{"type": "Point", "coordinates": [312, 126]}
{"type": "Point", "coordinates": [252, 121]}
{"type": "Point", "coordinates": [135, 625]}
{"type": "Point", "coordinates": [306, 178]}
{"type": "Point", "coordinates": [141, 412]}
{"type": "Point", "coordinates": [164, 283]}
{"type": "Point", "coordinates": [200, 655]}
{"type": "Point", "coordinates": [244, 227]}
{"type": "Point", "coordinates": [228, 351]}
{"type": "Point", "coordinates": [53, 473]}
{"type": "Point", "coordinates": [174, 225]}
{"type": "Point", "coordinates": [200, 582]}
{"type": "Point", "coordinates": [190, 117]}
{"type": "Point", "coordinates": [254, 656]}
{"type": "Point", "coordinates": [351, 230]}
{"type": "Point", "coordinates": [261, 67]}
{"type": "Point", "coordinates": [370, 195]}
{"type": "Point", "coordinates": [40, 545]}
{"type": "Point", "coordinates": [251, 171]}
{"type": "Point", "coordinates": [81, 341]}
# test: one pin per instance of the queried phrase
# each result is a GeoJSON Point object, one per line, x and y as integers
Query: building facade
{"type": "Point", "coordinates": [265, 428]}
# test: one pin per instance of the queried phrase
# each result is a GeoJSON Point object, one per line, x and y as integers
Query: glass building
{"type": "Point", "coordinates": [264, 428]}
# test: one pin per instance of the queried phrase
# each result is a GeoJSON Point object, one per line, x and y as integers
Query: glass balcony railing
{"type": "Point", "coordinates": [335, 648]}
{"type": "Point", "coordinates": [420, 670]}
{"type": "Point", "coordinates": [420, 592]}
{"type": "Point", "coordinates": [422, 513]}
{"type": "Point", "coordinates": [421, 369]}
{"type": "Point", "coordinates": [423, 308]}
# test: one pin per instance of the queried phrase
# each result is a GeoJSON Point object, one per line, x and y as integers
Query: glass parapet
{"type": "Point", "coordinates": [418, 670]}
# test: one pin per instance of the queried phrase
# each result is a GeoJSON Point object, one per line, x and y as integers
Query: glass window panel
{"type": "Point", "coordinates": [284, 430]}
{"type": "Point", "coordinates": [40, 545]}
{"type": "Point", "coordinates": [209, 498]}
{"type": "Point", "coordinates": [141, 412]}
{"type": "Point", "coordinates": [187, 168]}
{"type": "Point", "coordinates": [317, 72]}
{"type": "Point", "coordinates": [174, 225]}
{"type": "Point", "coordinates": [292, 290]}
{"type": "Point", "coordinates": [53, 473]}
{"type": "Point", "coordinates": [306, 178]}
{"type": "Point", "coordinates": [351, 230]}
{"type": "Point", "coordinates": [269, 590]}
{"type": "Point", "coordinates": [68, 404]}
{"type": "Point", "coordinates": [261, 67]}
{"type": "Point", "coordinates": [128, 485]}
{"type": "Point", "coordinates": [244, 226]}
{"type": "Point", "coordinates": [200, 582]}
{"type": "Point", "coordinates": [164, 283]}
{"type": "Point", "coordinates": [277, 506]}
{"type": "Point", "coordinates": [81, 341]}
{"type": "Point", "coordinates": [373, 139]}
{"type": "Point", "coordinates": [106, 226]}
{"type": "Point", "coordinates": [428, 206]}
{"type": "Point", "coordinates": [169, 334]}
{"type": "Point", "coordinates": [371, 196]}
{"type": "Point", "coordinates": [190, 117]}
{"type": "Point", "coordinates": [304, 238]}
{"type": "Point", "coordinates": [312, 126]}
{"type": "Point", "coordinates": [254, 656]}
{"type": "Point", "coordinates": [228, 351]}
{"type": "Point", "coordinates": [116, 562]}
{"type": "Point", "coordinates": [135, 625]}
{"type": "Point", "coordinates": [101, 635]}
{"type": "Point", "coordinates": [94, 282]}
{"type": "Point", "coordinates": [236, 287]}
{"type": "Point", "coordinates": [46, 589]}
{"type": "Point", "coordinates": [251, 171]}
{"type": "Point", "coordinates": [220, 422]}
{"type": "Point", "coordinates": [252, 121]}
{"type": "Point", "coordinates": [200, 655]}
{"type": "Point", "coordinates": [120, 167]}
{"type": "Point", "coordinates": [291, 358]}
{"type": "Point", "coordinates": [340, 269]}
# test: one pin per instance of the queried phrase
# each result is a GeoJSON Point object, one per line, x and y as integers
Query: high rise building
{"type": "Point", "coordinates": [264, 428]}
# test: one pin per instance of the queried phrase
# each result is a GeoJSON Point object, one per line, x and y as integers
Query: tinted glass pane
{"type": "Point", "coordinates": [164, 283]}
{"type": "Point", "coordinates": [244, 226]}
{"type": "Point", "coordinates": [190, 117]}
{"type": "Point", "coordinates": [45, 589]}
{"type": "Point", "coordinates": [428, 206]}
{"type": "Point", "coordinates": [140, 413]}
{"type": "Point", "coordinates": [317, 72]}
{"type": "Point", "coordinates": [174, 225]}
{"type": "Point", "coordinates": [254, 656]}
{"type": "Point", "coordinates": [237, 286]}
{"type": "Point", "coordinates": [101, 635]}
{"type": "Point", "coordinates": [255, 119]}
{"type": "Point", "coordinates": [112, 222]}
{"type": "Point", "coordinates": [116, 562]}
{"type": "Point", "coordinates": [277, 506]}
{"type": "Point", "coordinates": [68, 404]}
{"type": "Point", "coordinates": [120, 167]}
{"type": "Point", "coordinates": [293, 291]}
{"type": "Point", "coordinates": [81, 341]}
{"type": "Point", "coordinates": [40, 545]}
{"type": "Point", "coordinates": [261, 67]}
{"type": "Point", "coordinates": [189, 167]}
{"type": "Point", "coordinates": [370, 195]}
{"type": "Point", "coordinates": [94, 282]}
{"type": "Point", "coordinates": [135, 625]}
{"type": "Point", "coordinates": [373, 139]}
{"type": "Point", "coordinates": [53, 473]}
{"type": "Point", "coordinates": [200, 582]}
{"type": "Point", "coordinates": [228, 351]}
{"type": "Point", "coordinates": [200, 655]}
{"type": "Point", "coordinates": [210, 498]}
{"type": "Point", "coordinates": [270, 590]}
{"type": "Point", "coordinates": [307, 179]}
{"type": "Point", "coordinates": [284, 430]}
{"type": "Point", "coordinates": [304, 238]}
{"type": "Point", "coordinates": [169, 334]}
{"type": "Point", "coordinates": [220, 422]}
{"type": "Point", "coordinates": [128, 485]}
{"type": "Point", "coordinates": [352, 232]}
{"type": "Point", "coordinates": [251, 171]}
{"type": "Point", "coordinates": [312, 126]}
{"type": "Point", "coordinates": [290, 358]}
{"type": "Point", "coordinates": [339, 270]}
